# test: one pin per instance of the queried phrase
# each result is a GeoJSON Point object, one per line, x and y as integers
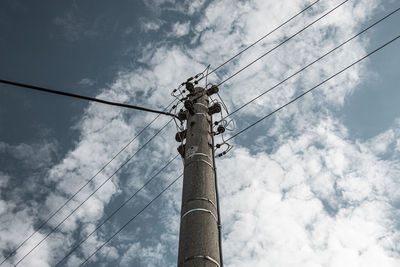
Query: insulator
{"type": "Point", "coordinates": [189, 79]}
{"type": "Point", "coordinates": [181, 150]}
{"type": "Point", "coordinates": [180, 136]}
{"type": "Point", "coordinates": [221, 154]}
{"type": "Point", "coordinates": [221, 129]}
{"type": "Point", "coordinates": [196, 82]}
{"type": "Point", "coordinates": [216, 108]}
{"type": "Point", "coordinates": [189, 106]}
{"type": "Point", "coordinates": [218, 145]}
{"type": "Point", "coordinates": [213, 90]}
{"type": "Point", "coordinates": [190, 87]}
{"type": "Point", "coordinates": [182, 115]}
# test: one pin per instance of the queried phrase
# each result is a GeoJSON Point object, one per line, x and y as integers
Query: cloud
{"type": "Point", "coordinates": [150, 24]}
{"type": "Point", "coordinates": [87, 82]}
{"type": "Point", "coordinates": [180, 29]}
{"type": "Point", "coordinates": [319, 198]}
{"type": "Point", "coordinates": [306, 195]}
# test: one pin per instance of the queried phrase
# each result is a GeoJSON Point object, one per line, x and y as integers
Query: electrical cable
{"type": "Point", "coordinates": [83, 186]}
{"type": "Point", "coordinates": [308, 91]}
{"type": "Point", "coordinates": [42, 89]}
{"type": "Point", "coordinates": [262, 38]}
{"type": "Point", "coordinates": [285, 41]}
{"type": "Point", "coordinates": [313, 62]}
{"type": "Point", "coordinates": [130, 220]}
{"type": "Point", "coordinates": [116, 210]}
{"type": "Point", "coordinates": [87, 198]}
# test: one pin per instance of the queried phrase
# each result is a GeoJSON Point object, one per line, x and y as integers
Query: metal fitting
{"type": "Point", "coordinates": [189, 106]}
{"type": "Point", "coordinates": [212, 90]}
{"type": "Point", "coordinates": [216, 108]}
{"type": "Point", "coordinates": [180, 136]}
{"type": "Point", "coordinates": [182, 115]}
{"type": "Point", "coordinates": [221, 129]}
{"type": "Point", "coordinates": [190, 87]}
{"type": "Point", "coordinates": [181, 150]}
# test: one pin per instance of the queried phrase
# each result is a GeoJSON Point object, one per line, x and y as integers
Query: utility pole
{"type": "Point", "coordinates": [199, 243]}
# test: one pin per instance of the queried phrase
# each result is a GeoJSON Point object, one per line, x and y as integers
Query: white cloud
{"type": "Point", "coordinates": [150, 24]}
{"type": "Point", "coordinates": [317, 198]}
{"type": "Point", "coordinates": [283, 213]}
{"type": "Point", "coordinates": [180, 29]}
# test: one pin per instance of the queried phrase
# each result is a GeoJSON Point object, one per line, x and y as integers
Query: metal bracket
{"type": "Point", "coordinates": [200, 160]}
{"type": "Point", "coordinates": [204, 199]}
{"type": "Point", "coordinates": [198, 154]}
{"type": "Point", "coordinates": [202, 257]}
{"type": "Point", "coordinates": [201, 104]}
{"type": "Point", "coordinates": [201, 210]}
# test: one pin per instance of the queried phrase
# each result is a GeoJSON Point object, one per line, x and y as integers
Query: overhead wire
{"type": "Point", "coordinates": [116, 211]}
{"type": "Point", "coordinates": [282, 43]}
{"type": "Point", "coordinates": [260, 39]}
{"type": "Point", "coordinates": [313, 88]}
{"type": "Point", "coordinates": [83, 186]}
{"type": "Point", "coordinates": [130, 220]}
{"type": "Point", "coordinates": [52, 91]}
{"type": "Point", "coordinates": [90, 195]}
{"type": "Point", "coordinates": [313, 62]}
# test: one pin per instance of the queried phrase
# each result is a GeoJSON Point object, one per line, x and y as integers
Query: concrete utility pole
{"type": "Point", "coordinates": [198, 238]}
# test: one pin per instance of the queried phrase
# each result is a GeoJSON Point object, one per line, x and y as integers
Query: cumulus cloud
{"type": "Point", "coordinates": [319, 200]}
{"type": "Point", "coordinates": [180, 29]}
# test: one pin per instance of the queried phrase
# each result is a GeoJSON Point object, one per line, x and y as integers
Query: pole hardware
{"type": "Point", "coordinates": [204, 258]}
{"type": "Point", "coordinates": [200, 210]}
{"type": "Point", "coordinates": [182, 115]}
{"type": "Point", "coordinates": [189, 106]}
{"type": "Point", "coordinates": [212, 90]}
{"type": "Point", "coordinates": [180, 136]}
{"type": "Point", "coordinates": [216, 108]}
{"type": "Point", "coordinates": [190, 87]}
{"type": "Point", "coordinates": [203, 199]}
{"type": "Point", "coordinates": [181, 150]}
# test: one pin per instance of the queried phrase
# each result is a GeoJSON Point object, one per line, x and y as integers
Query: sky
{"type": "Point", "coordinates": [316, 184]}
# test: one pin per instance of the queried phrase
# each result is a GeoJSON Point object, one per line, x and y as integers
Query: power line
{"type": "Point", "coordinates": [313, 62]}
{"type": "Point", "coordinates": [115, 211]}
{"type": "Point", "coordinates": [83, 186]}
{"type": "Point", "coordinates": [259, 40]}
{"type": "Point", "coordinates": [130, 220]}
{"type": "Point", "coordinates": [42, 89]}
{"type": "Point", "coordinates": [285, 41]}
{"type": "Point", "coordinates": [308, 91]}
{"type": "Point", "coordinates": [101, 185]}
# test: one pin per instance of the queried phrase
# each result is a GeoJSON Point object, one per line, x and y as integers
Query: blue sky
{"type": "Point", "coordinates": [315, 185]}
